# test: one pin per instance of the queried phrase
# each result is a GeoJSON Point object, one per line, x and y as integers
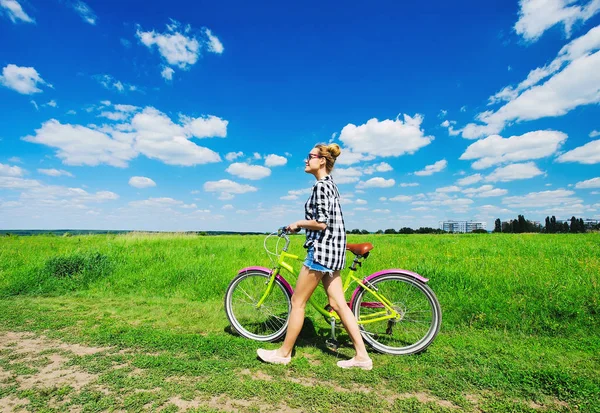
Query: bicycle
{"type": "Point", "coordinates": [397, 312]}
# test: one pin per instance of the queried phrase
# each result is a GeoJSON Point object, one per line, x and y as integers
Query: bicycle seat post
{"type": "Point", "coordinates": [355, 262]}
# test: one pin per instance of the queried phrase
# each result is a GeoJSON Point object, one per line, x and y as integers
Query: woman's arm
{"type": "Point", "coordinates": [312, 224]}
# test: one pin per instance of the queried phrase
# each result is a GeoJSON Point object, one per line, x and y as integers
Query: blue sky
{"type": "Point", "coordinates": [192, 115]}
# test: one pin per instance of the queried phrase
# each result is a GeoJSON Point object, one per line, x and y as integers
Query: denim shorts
{"type": "Point", "coordinates": [313, 265]}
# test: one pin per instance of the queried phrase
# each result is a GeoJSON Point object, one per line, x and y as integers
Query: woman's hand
{"type": "Point", "coordinates": [293, 227]}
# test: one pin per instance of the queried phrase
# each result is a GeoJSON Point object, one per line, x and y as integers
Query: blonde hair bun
{"type": "Point", "coordinates": [334, 150]}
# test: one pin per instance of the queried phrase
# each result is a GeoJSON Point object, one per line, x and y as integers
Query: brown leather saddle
{"type": "Point", "coordinates": [359, 249]}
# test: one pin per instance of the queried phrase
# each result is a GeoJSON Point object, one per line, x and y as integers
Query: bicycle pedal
{"type": "Point", "coordinates": [332, 344]}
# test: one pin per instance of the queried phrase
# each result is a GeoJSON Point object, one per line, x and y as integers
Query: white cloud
{"type": "Point", "coordinates": [14, 11]}
{"type": "Point", "coordinates": [457, 203]}
{"type": "Point", "coordinates": [7, 170]}
{"type": "Point", "coordinates": [51, 103]}
{"type": "Point", "coordinates": [141, 182]}
{"type": "Point", "coordinates": [594, 133]}
{"type": "Point", "coordinates": [514, 172]}
{"type": "Point", "coordinates": [405, 185]}
{"type": "Point", "coordinates": [574, 81]}
{"type": "Point", "coordinates": [55, 172]}
{"type": "Point", "coordinates": [360, 201]}
{"type": "Point", "coordinates": [537, 16]}
{"type": "Point", "coordinates": [52, 195]}
{"type": "Point", "coordinates": [494, 210]}
{"type": "Point", "coordinates": [576, 49]}
{"type": "Point", "coordinates": [110, 83]}
{"type": "Point", "coordinates": [206, 126]}
{"type": "Point", "coordinates": [86, 13]}
{"type": "Point", "coordinates": [386, 138]}
{"type": "Point", "coordinates": [381, 211]}
{"type": "Point", "coordinates": [160, 203]}
{"type": "Point", "coordinates": [590, 183]}
{"type": "Point", "coordinates": [167, 73]}
{"type": "Point", "coordinates": [346, 175]}
{"type": "Point", "coordinates": [469, 180]}
{"type": "Point", "coordinates": [376, 183]}
{"type": "Point", "coordinates": [126, 108]}
{"type": "Point", "coordinates": [232, 156]}
{"type": "Point", "coordinates": [449, 124]}
{"type": "Point", "coordinates": [293, 195]}
{"type": "Point", "coordinates": [176, 47]}
{"type": "Point", "coordinates": [158, 137]}
{"type": "Point", "coordinates": [401, 198]}
{"type": "Point", "coordinates": [79, 145]}
{"type": "Point", "coordinates": [150, 132]}
{"type": "Point", "coordinates": [431, 169]}
{"type": "Point", "coordinates": [495, 149]}
{"type": "Point", "coordinates": [447, 189]}
{"type": "Point", "coordinates": [14, 182]}
{"type": "Point", "coordinates": [380, 167]}
{"type": "Point", "coordinates": [348, 157]}
{"type": "Point", "coordinates": [227, 207]}
{"type": "Point", "coordinates": [542, 199]}
{"type": "Point", "coordinates": [214, 44]}
{"type": "Point", "coordinates": [116, 116]}
{"type": "Point", "coordinates": [227, 188]}
{"type": "Point", "coordinates": [248, 171]}
{"type": "Point", "coordinates": [485, 191]}
{"type": "Point", "coordinates": [587, 154]}
{"type": "Point", "coordinates": [24, 80]}
{"type": "Point", "coordinates": [275, 160]}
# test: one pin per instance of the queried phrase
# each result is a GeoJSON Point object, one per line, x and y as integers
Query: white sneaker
{"type": "Point", "coordinates": [352, 363]}
{"type": "Point", "coordinates": [270, 356]}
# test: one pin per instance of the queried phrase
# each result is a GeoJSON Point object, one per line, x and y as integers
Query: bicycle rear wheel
{"type": "Point", "coordinates": [419, 314]}
{"type": "Point", "coordinates": [266, 323]}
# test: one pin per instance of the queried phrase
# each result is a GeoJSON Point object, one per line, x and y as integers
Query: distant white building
{"type": "Point", "coordinates": [462, 226]}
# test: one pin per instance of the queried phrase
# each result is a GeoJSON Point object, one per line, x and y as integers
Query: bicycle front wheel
{"type": "Point", "coordinates": [265, 323]}
{"type": "Point", "coordinates": [418, 319]}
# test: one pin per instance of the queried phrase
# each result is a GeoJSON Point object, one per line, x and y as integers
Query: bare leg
{"type": "Point", "coordinates": [307, 282]}
{"type": "Point", "coordinates": [335, 292]}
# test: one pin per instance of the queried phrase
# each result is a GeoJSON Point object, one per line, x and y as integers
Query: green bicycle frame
{"type": "Point", "coordinates": [387, 313]}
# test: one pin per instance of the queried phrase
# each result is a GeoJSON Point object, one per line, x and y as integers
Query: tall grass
{"type": "Point", "coordinates": [529, 283]}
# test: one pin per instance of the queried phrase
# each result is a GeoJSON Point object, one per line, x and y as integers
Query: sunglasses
{"type": "Point", "coordinates": [311, 156]}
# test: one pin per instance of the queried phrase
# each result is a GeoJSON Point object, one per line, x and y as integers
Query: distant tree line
{"type": "Point", "coordinates": [552, 226]}
{"type": "Point", "coordinates": [404, 230]}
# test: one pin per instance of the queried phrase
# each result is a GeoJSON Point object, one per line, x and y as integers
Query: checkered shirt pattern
{"type": "Point", "coordinates": [324, 206]}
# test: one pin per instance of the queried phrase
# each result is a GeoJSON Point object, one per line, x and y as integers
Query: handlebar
{"type": "Point", "coordinates": [282, 232]}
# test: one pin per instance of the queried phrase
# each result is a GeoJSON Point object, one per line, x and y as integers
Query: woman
{"type": "Point", "coordinates": [326, 245]}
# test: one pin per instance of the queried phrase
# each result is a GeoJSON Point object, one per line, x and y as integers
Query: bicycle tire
{"type": "Point", "coordinates": [420, 314]}
{"type": "Point", "coordinates": [267, 323]}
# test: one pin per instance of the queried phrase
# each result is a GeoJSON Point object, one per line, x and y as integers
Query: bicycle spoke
{"type": "Point", "coordinates": [260, 323]}
{"type": "Point", "coordinates": [415, 326]}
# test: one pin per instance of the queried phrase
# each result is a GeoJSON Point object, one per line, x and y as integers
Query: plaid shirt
{"type": "Point", "coordinates": [330, 243]}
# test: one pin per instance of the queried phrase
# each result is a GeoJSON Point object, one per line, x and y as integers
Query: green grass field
{"type": "Point", "coordinates": [135, 322]}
